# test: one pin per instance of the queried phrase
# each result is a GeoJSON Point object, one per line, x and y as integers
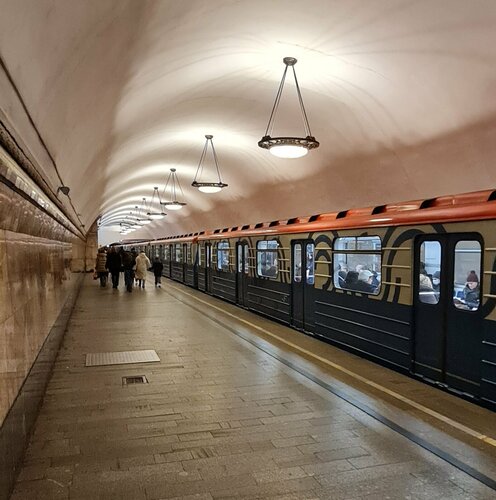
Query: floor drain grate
{"type": "Point", "coordinates": [134, 379]}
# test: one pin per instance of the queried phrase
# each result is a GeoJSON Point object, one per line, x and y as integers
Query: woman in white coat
{"type": "Point", "coordinates": [142, 265]}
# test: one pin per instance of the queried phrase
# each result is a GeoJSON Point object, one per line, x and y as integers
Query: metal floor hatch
{"type": "Point", "coordinates": [121, 358]}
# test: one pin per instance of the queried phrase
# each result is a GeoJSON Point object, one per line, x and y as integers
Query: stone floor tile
{"type": "Point", "coordinates": [279, 474]}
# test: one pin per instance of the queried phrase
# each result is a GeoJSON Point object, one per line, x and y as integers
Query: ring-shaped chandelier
{"type": "Point", "coordinates": [173, 184]}
{"type": "Point", "coordinates": [208, 187]}
{"type": "Point", "coordinates": [288, 147]}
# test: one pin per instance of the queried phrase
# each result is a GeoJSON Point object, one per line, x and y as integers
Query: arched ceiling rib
{"type": "Point", "coordinates": [400, 94]}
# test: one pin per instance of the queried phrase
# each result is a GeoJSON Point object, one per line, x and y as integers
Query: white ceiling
{"type": "Point", "coordinates": [400, 94]}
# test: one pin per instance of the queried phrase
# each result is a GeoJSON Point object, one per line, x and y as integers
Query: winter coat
{"type": "Point", "coordinates": [114, 262]}
{"type": "Point", "coordinates": [471, 297]}
{"type": "Point", "coordinates": [142, 265]}
{"type": "Point", "coordinates": [157, 267]}
{"type": "Point", "coordinates": [128, 260]}
{"type": "Point", "coordinates": [101, 262]}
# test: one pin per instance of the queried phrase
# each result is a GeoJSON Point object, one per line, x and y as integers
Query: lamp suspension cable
{"type": "Point", "coordinates": [208, 187]}
{"type": "Point", "coordinates": [159, 214]}
{"type": "Point", "coordinates": [288, 147]}
{"type": "Point", "coordinates": [142, 213]}
{"type": "Point", "coordinates": [172, 180]}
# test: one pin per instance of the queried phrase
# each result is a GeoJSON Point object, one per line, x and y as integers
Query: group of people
{"type": "Point", "coordinates": [359, 280]}
{"type": "Point", "coordinates": [133, 264]}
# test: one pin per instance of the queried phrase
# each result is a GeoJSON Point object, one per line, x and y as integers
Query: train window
{"type": "Point", "coordinates": [247, 259]}
{"type": "Point", "coordinates": [357, 263]}
{"type": "Point", "coordinates": [429, 272]}
{"type": "Point", "coordinates": [239, 250]}
{"type": "Point", "coordinates": [223, 256]}
{"type": "Point", "coordinates": [188, 253]}
{"type": "Point", "coordinates": [267, 266]}
{"type": "Point", "coordinates": [198, 254]}
{"type": "Point", "coordinates": [466, 286]}
{"type": "Point", "coordinates": [178, 253]}
{"type": "Point", "coordinates": [310, 271]}
{"type": "Point", "coordinates": [297, 263]}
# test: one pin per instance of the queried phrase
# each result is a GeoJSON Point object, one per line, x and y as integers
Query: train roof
{"type": "Point", "coordinates": [479, 205]}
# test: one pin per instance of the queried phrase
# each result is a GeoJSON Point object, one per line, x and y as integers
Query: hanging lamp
{"type": "Point", "coordinates": [135, 222]}
{"type": "Point", "coordinates": [172, 181]}
{"type": "Point", "coordinates": [159, 214]}
{"type": "Point", "coordinates": [288, 147]}
{"type": "Point", "coordinates": [208, 187]}
{"type": "Point", "coordinates": [144, 220]}
{"type": "Point", "coordinates": [125, 227]}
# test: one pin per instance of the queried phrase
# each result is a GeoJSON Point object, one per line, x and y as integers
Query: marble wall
{"type": "Point", "coordinates": [36, 284]}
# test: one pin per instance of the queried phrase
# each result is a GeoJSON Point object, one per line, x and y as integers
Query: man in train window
{"type": "Point", "coordinates": [271, 269]}
{"type": "Point", "coordinates": [364, 283]}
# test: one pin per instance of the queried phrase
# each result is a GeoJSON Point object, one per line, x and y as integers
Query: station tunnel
{"type": "Point", "coordinates": [247, 249]}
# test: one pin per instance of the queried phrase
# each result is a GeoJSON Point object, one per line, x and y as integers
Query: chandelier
{"type": "Point", "coordinates": [141, 219]}
{"type": "Point", "coordinates": [159, 214]}
{"type": "Point", "coordinates": [126, 227]}
{"type": "Point", "coordinates": [288, 147]}
{"type": "Point", "coordinates": [208, 187]}
{"type": "Point", "coordinates": [134, 220]}
{"type": "Point", "coordinates": [173, 183]}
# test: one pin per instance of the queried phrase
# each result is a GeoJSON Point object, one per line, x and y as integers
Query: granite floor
{"type": "Point", "coordinates": [223, 418]}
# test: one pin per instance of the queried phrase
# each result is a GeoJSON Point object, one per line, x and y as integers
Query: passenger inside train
{"type": "Point", "coordinates": [470, 296]}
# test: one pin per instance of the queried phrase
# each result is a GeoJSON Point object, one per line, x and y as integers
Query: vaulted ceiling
{"type": "Point", "coordinates": [400, 94]}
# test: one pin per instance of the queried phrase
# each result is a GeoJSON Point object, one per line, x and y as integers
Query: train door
{"type": "Point", "coordinates": [208, 267]}
{"type": "Point", "coordinates": [302, 283]}
{"type": "Point", "coordinates": [447, 310]}
{"type": "Point", "coordinates": [242, 270]}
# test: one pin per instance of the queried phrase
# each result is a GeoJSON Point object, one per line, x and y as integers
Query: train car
{"type": "Point", "coordinates": [411, 285]}
{"type": "Point", "coordinates": [178, 255]}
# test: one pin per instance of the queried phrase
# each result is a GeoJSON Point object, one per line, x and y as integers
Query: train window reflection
{"type": "Point", "coordinates": [357, 263]}
{"type": "Point", "coordinates": [247, 259]}
{"type": "Point", "coordinates": [310, 270]}
{"type": "Point", "coordinates": [239, 250]}
{"type": "Point", "coordinates": [297, 263]}
{"type": "Point", "coordinates": [429, 277]}
{"type": "Point", "coordinates": [223, 256]}
{"type": "Point", "coordinates": [178, 253]}
{"type": "Point", "coordinates": [267, 265]}
{"type": "Point", "coordinates": [466, 282]}
{"type": "Point", "coordinates": [187, 251]}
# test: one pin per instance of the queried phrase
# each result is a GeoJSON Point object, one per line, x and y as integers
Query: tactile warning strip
{"type": "Point", "coordinates": [121, 358]}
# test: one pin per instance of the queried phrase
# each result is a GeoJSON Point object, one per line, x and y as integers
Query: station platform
{"type": "Point", "coordinates": [240, 407]}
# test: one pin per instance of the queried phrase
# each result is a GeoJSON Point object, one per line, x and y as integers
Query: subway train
{"type": "Point", "coordinates": [409, 285]}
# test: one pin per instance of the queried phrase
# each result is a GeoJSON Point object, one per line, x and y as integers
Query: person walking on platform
{"type": "Point", "coordinates": [128, 262]}
{"type": "Point", "coordinates": [114, 265]}
{"type": "Point", "coordinates": [101, 266]}
{"type": "Point", "coordinates": [142, 265]}
{"type": "Point", "coordinates": [157, 268]}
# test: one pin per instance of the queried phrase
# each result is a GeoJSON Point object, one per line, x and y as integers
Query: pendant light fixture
{"type": "Point", "coordinates": [125, 227]}
{"type": "Point", "coordinates": [134, 221]}
{"type": "Point", "coordinates": [158, 214]}
{"type": "Point", "coordinates": [288, 147]}
{"type": "Point", "coordinates": [172, 182]}
{"type": "Point", "coordinates": [144, 220]}
{"type": "Point", "coordinates": [208, 187]}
